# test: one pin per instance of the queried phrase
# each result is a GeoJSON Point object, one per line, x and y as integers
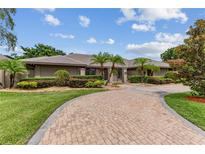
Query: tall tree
{"type": "Point", "coordinates": [169, 54]}
{"type": "Point", "coordinates": [7, 24]}
{"type": "Point", "coordinates": [40, 50]}
{"type": "Point", "coordinates": [141, 63]}
{"type": "Point", "coordinates": [13, 67]}
{"type": "Point", "coordinates": [193, 53]}
{"type": "Point", "coordinates": [100, 58]}
{"type": "Point", "coordinates": [115, 60]}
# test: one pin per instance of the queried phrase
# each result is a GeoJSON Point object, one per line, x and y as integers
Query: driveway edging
{"type": "Point", "coordinates": [38, 135]}
{"type": "Point", "coordinates": [162, 94]}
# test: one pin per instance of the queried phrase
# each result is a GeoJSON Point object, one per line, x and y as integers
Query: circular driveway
{"type": "Point", "coordinates": [131, 115]}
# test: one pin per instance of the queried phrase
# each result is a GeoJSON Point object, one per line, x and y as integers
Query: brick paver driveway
{"type": "Point", "coordinates": [132, 115]}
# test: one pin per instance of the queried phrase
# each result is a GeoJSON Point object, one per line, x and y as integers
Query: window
{"type": "Point", "coordinates": [90, 71]}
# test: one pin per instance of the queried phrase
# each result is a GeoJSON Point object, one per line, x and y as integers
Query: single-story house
{"type": "Point", "coordinates": [81, 64]}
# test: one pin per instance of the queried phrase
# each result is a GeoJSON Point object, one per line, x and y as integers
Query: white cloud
{"type": "Point", "coordinates": [91, 40]}
{"type": "Point", "coordinates": [143, 27]}
{"type": "Point", "coordinates": [152, 15]}
{"type": "Point", "coordinates": [63, 36]}
{"type": "Point", "coordinates": [109, 41]}
{"type": "Point", "coordinates": [51, 20]}
{"type": "Point", "coordinates": [43, 10]}
{"type": "Point", "coordinates": [84, 21]}
{"type": "Point", "coordinates": [128, 14]}
{"type": "Point", "coordinates": [154, 48]}
{"type": "Point", "coordinates": [167, 37]}
{"type": "Point", "coordinates": [149, 47]}
{"type": "Point", "coordinates": [4, 50]}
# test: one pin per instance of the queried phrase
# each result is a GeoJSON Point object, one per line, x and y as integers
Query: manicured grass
{"type": "Point", "coordinates": [194, 112]}
{"type": "Point", "coordinates": [21, 114]}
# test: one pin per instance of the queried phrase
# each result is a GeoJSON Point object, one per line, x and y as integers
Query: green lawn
{"type": "Point", "coordinates": [194, 112]}
{"type": "Point", "coordinates": [21, 114]}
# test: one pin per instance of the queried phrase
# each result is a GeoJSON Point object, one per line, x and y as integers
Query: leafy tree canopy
{"type": "Point", "coordinates": [169, 54]}
{"type": "Point", "coordinates": [151, 67]}
{"type": "Point", "coordinates": [141, 62]}
{"type": "Point", "coordinates": [100, 58]}
{"type": "Point", "coordinates": [193, 53]}
{"type": "Point", "coordinates": [13, 67]}
{"type": "Point", "coordinates": [7, 38]}
{"type": "Point", "coordinates": [40, 50]}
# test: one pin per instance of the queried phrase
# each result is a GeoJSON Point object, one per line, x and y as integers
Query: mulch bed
{"type": "Point", "coordinates": [196, 99]}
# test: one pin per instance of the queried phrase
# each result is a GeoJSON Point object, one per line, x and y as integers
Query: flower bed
{"type": "Point", "coordinates": [196, 99]}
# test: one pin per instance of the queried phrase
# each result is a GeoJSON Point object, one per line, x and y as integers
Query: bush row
{"type": "Point", "coordinates": [150, 79]}
{"type": "Point", "coordinates": [37, 78]}
{"type": "Point", "coordinates": [74, 83]}
{"type": "Point", "coordinates": [96, 77]}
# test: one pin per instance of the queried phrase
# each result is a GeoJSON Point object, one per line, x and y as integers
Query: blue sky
{"type": "Point", "coordinates": [130, 33]}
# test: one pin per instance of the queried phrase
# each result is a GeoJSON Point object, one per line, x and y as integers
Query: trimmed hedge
{"type": "Point", "coordinates": [78, 83]}
{"type": "Point", "coordinates": [96, 77]}
{"type": "Point", "coordinates": [27, 85]}
{"type": "Point", "coordinates": [74, 82]}
{"type": "Point", "coordinates": [38, 78]}
{"type": "Point", "coordinates": [150, 79]}
{"type": "Point", "coordinates": [46, 83]}
{"type": "Point", "coordinates": [137, 79]}
{"type": "Point", "coordinates": [95, 84]}
{"type": "Point", "coordinates": [159, 80]}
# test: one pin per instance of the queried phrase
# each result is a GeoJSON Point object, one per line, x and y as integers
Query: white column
{"type": "Point", "coordinates": [124, 75]}
{"type": "Point", "coordinates": [82, 71]}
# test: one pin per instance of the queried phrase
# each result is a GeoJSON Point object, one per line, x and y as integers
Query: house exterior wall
{"type": "Point", "coordinates": [1, 78]}
{"type": "Point", "coordinates": [132, 71]}
{"type": "Point", "coordinates": [162, 72]}
{"type": "Point", "coordinates": [46, 70]}
{"type": "Point", "coordinates": [4, 79]}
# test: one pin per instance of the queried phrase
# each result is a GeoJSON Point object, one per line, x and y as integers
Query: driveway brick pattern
{"type": "Point", "coordinates": [126, 116]}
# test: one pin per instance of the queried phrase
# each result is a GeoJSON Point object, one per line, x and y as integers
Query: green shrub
{"type": "Point", "coordinates": [62, 77]}
{"type": "Point", "coordinates": [158, 80]}
{"type": "Point", "coordinates": [197, 87]}
{"type": "Point", "coordinates": [78, 83]}
{"type": "Point", "coordinates": [171, 75]}
{"type": "Point", "coordinates": [96, 77]}
{"type": "Point", "coordinates": [38, 78]}
{"type": "Point", "coordinates": [137, 79]}
{"type": "Point", "coordinates": [27, 85]}
{"type": "Point", "coordinates": [95, 84]}
{"type": "Point", "coordinates": [45, 83]}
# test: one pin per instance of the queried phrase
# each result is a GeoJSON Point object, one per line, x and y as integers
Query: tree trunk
{"type": "Point", "coordinates": [102, 70]}
{"type": "Point", "coordinates": [12, 78]}
{"type": "Point", "coordinates": [111, 72]}
{"type": "Point", "coordinates": [142, 74]}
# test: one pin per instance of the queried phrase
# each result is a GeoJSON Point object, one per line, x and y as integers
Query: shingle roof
{"type": "Point", "coordinates": [75, 59]}
{"type": "Point", "coordinates": [2, 57]}
{"type": "Point", "coordinates": [85, 58]}
{"type": "Point", "coordinates": [54, 60]}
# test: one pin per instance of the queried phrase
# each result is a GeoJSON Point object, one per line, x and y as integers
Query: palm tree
{"type": "Point", "coordinates": [100, 58]}
{"type": "Point", "coordinates": [13, 67]}
{"type": "Point", "coordinates": [141, 62]}
{"type": "Point", "coordinates": [114, 59]}
{"type": "Point", "coordinates": [152, 68]}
